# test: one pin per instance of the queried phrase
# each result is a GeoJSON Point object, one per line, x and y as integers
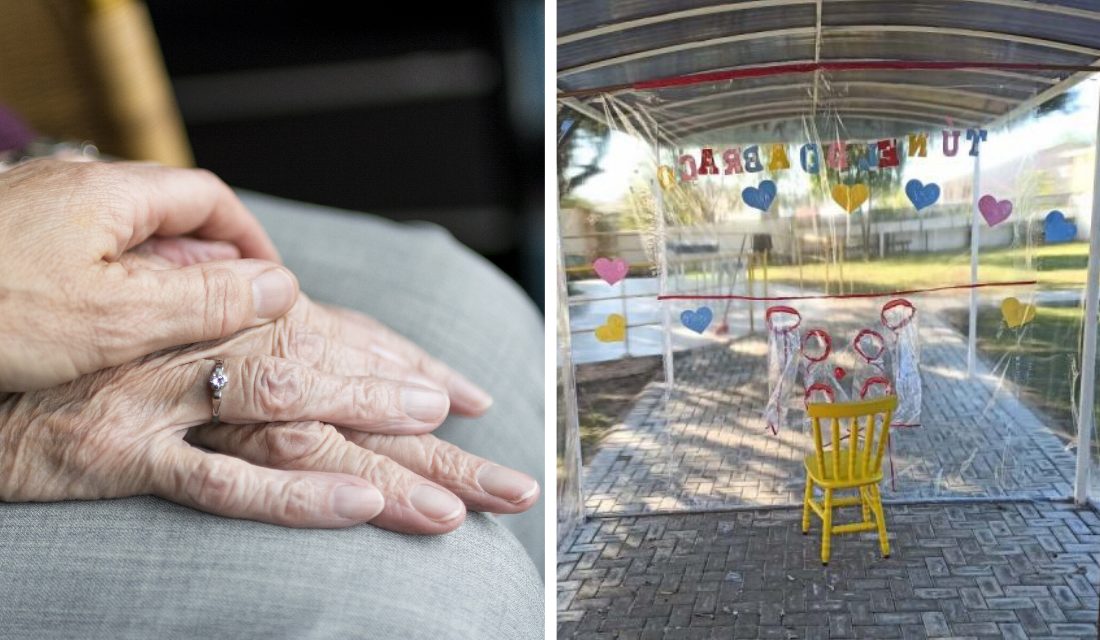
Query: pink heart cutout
{"type": "Point", "coordinates": [994, 211]}
{"type": "Point", "coordinates": [611, 271]}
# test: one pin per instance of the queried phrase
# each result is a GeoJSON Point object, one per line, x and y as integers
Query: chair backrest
{"type": "Point", "coordinates": [91, 70]}
{"type": "Point", "coordinates": [868, 428]}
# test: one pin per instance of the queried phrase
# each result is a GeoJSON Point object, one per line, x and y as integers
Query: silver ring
{"type": "Point", "coordinates": [218, 381]}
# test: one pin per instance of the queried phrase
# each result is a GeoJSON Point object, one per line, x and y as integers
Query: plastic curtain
{"type": "Point", "coordinates": [860, 219]}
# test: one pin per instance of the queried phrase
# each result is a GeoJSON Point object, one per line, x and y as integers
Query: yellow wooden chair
{"type": "Point", "coordinates": [852, 461]}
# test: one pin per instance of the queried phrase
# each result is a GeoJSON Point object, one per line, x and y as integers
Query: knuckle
{"type": "Point", "coordinates": [295, 341]}
{"type": "Point", "coordinates": [223, 303]}
{"type": "Point", "coordinates": [386, 475]}
{"type": "Point", "coordinates": [213, 486]}
{"type": "Point", "coordinates": [296, 446]}
{"type": "Point", "coordinates": [375, 402]}
{"type": "Point", "coordinates": [278, 390]}
{"type": "Point", "coordinates": [295, 502]}
{"type": "Point", "coordinates": [444, 460]}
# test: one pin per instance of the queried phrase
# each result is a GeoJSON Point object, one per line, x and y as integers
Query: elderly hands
{"type": "Point", "coordinates": [68, 306]}
{"type": "Point", "coordinates": [326, 417]}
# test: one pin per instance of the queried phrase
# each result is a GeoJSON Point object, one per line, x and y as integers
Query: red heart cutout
{"type": "Point", "coordinates": [839, 373]}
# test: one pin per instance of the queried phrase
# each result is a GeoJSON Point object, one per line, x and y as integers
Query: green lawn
{"type": "Point", "coordinates": [1041, 360]}
{"type": "Point", "coordinates": [1055, 266]}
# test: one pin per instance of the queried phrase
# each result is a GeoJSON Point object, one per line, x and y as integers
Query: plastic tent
{"type": "Point", "coordinates": [787, 135]}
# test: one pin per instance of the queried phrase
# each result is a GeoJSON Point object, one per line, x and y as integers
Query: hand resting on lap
{"type": "Point", "coordinates": [325, 423]}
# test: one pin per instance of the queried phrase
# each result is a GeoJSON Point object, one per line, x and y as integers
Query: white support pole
{"type": "Point", "coordinates": [1088, 350]}
{"type": "Point", "coordinates": [662, 278]}
{"type": "Point", "coordinates": [975, 246]}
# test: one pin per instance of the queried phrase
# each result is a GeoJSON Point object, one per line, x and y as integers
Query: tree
{"type": "Point", "coordinates": [577, 136]}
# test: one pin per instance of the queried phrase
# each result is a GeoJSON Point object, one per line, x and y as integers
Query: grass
{"type": "Point", "coordinates": [1054, 266]}
{"type": "Point", "coordinates": [606, 392]}
{"type": "Point", "coordinates": [1040, 359]}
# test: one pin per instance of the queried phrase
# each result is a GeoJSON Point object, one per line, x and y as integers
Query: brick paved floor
{"type": "Point", "coordinates": [709, 448]}
{"type": "Point", "coordinates": [962, 571]}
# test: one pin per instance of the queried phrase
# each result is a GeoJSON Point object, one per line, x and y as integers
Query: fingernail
{"type": "Point", "coordinates": [462, 388]}
{"type": "Point", "coordinates": [357, 503]}
{"type": "Point", "coordinates": [435, 505]}
{"type": "Point", "coordinates": [424, 381]}
{"type": "Point", "coordinates": [506, 484]}
{"type": "Point", "coordinates": [272, 293]}
{"type": "Point", "coordinates": [424, 404]}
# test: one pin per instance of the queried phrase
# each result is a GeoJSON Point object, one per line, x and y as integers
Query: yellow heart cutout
{"type": "Point", "coordinates": [850, 197]}
{"type": "Point", "coordinates": [614, 330]}
{"type": "Point", "coordinates": [1016, 313]}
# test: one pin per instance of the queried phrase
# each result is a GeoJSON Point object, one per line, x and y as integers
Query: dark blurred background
{"type": "Point", "coordinates": [414, 113]}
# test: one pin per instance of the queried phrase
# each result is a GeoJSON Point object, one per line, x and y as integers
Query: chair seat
{"type": "Point", "coordinates": [841, 479]}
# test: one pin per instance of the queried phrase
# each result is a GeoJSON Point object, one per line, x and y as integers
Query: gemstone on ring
{"type": "Point", "coordinates": [218, 379]}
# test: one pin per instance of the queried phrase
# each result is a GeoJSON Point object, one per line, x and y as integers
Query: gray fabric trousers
{"type": "Point", "coordinates": [145, 568]}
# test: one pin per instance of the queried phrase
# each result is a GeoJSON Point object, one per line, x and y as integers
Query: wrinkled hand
{"type": "Point", "coordinates": [68, 306]}
{"type": "Point", "coordinates": [325, 421]}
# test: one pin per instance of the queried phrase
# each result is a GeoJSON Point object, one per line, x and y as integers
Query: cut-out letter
{"type": "Point", "coordinates": [751, 156]}
{"type": "Point", "coordinates": [706, 163]}
{"type": "Point", "coordinates": [864, 156]}
{"type": "Point", "coordinates": [688, 172]}
{"type": "Point", "coordinates": [808, 156]}
{"type": "Point", "coordinates": [837, 156]}
{"type": "Point", "coordinates": [666, 177]}
{"type": "Point", "coordinates": [954, 138]}
{"type": "Point", "coordinates": [778, 160]}
{"type": "Point", "coordinates": [918, 145]}
{"type": "Point", "coordinates": [978, 137]}
{"type": "Point", "coordinates": [732, 158]}
{"type": "Point", "coordinates": [887, 153]}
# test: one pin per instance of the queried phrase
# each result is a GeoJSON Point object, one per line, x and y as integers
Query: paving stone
{"type": "Point", "coordinates": [661, 559]}
{"type": "Point", "coordinates": [709, 583]}
{"type": "Point", "coordinates": [709, 448]}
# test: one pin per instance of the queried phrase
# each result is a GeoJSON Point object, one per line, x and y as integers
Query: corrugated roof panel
{"type": "Point", "coordinates": [893, 45]}
{"type": "Point", "coordinates": [693, 61]}
{"type": "Point", "coordinates": [581, 15]}
{"type": "Point", "coordinates": [658, 41]}
{"type": "Point", "coordinates": [795, 128]}
{"type": "Point", "coordinates": [1008, 88]}
{"type": "Point", "coordinates": [697, 29]}
{"type": "Point", "coordinates": [842, 93]}
{"type": "Point", "coordinates": [1010, 20]}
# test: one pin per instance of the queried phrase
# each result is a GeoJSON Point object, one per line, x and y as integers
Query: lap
{"type": "Point", "coordinates": [145, 568]}
{"type": "Point", "coordinates": [419, 281]}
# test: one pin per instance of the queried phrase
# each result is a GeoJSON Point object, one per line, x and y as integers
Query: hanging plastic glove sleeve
{"type": "Point", "coordinates": [870, 357]}
{"type": "Point", "coordinates": [899, 317]}
{"type": "Point", "coordinates": [784, 343]}
{"type": "Point", "coordinates": [822, 383]}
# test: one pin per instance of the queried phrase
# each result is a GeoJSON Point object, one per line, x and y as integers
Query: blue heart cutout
{"type": "Point", "coordinates": [1057, 229]}
{"type": "Point", "coordinates": [698, 320]}
{"type": "Point", "coordinates": [922, 195]}
{"type": "Point", "coordinates": [761, 198]}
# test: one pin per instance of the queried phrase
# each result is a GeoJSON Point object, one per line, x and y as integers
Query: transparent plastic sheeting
{"type": "Point", "coordinates": [570, 500]}
{"type": "Point", "coordinates": [832, 253]}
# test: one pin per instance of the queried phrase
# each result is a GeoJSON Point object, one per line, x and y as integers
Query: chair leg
{"type": "Point", "coordinates": [827, 533]}
{"type": "Point", "coordinates": [806, 505]}
{"type": "Point", "coordinates": [865, 503]}
{"type": "Point", "coordinates": [876, 506]}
